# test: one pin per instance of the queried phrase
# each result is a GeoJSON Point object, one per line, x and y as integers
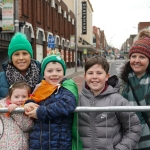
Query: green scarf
{"type": "Point", "coordinates": [141, 88]}
{"type": "Point", "coordinates": [76, 142]}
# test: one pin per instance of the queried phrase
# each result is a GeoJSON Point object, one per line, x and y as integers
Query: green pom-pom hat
{"type": "Point", "coordinates": [54, 56]}
{"type": "Point", "coordinates": [19, 42]}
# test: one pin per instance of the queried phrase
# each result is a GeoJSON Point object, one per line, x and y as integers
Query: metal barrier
{"type": "Point", "coordinates": [113, 109]}
{"type": "Point", "coordinates": [96, 109]}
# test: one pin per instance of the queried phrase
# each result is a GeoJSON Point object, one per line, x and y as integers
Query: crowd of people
{"type": "Point", "coordinates": [49, 100]}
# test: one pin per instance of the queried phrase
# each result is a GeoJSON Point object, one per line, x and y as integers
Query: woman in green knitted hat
{"type": "Point", "coordinates": [20, 66]}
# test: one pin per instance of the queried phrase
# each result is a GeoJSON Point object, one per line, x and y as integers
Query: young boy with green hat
{"type": "Point", "coordinates": [52, 104]}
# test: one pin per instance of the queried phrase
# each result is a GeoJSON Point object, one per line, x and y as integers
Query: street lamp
{"type": "Point", "coordinates": [100, 49]}
{"type": "Point", "coordinates": [16, 21]}
{"type": "Point", "coordinates": [76, 33]}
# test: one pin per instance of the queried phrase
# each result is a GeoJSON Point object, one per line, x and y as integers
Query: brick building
{"type": "Point", "coordinates": [97, 37]}
{"type": "Point", "coordinates": [39, 19]}
{"type": "Point", "coordinates": [132, 38]}
{"type": "Point", "coordinates": [142, 25]}
{"type": "Point", "coordinates": [99, 41]}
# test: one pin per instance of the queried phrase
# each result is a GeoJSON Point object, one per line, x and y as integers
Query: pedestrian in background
{"type": "Point", "coordinates": [16, 126]}
{"type": "Point", "coordinates": [52, 104]}
{"type": "Point", "coordinates": [135, 82]}
{"type": "Point", "coordinates": [20, 66]}
{"type": "Point", "coordinates": [82, 63]}
{"type": "Point", "coordinates": [78, 62]}
{"type": "Point", "coordinates": [105, 130]}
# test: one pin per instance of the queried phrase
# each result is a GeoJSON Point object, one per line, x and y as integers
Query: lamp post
{"type": "Point", "coordinates": [100, 50]}
{"type": "Point", "coordinates": [76, 33]}
{"type": "Point", "coordinates": [16, 16]}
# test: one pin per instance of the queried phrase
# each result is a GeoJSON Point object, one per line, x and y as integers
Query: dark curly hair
{"type": "Point", "coordinates": [126, 69]}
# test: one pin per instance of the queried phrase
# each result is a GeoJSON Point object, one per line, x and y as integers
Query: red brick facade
{"type": "Point", "coordinates": [143, 25]}
{"type": "Point", "coordinates": [52, 16]}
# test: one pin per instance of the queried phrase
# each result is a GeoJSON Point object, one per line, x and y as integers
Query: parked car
{"type": "Point", "coordinates": [121, 57]}
{"type": "Point", "coordinates": [117, 56]}
{"type": "Point", "coordinates": [112, 56]}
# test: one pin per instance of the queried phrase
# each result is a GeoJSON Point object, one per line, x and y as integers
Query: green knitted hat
{"type": "Point", "coordinates": [54, 56]}
{"type": "Point", "coordinates": [19, 42]}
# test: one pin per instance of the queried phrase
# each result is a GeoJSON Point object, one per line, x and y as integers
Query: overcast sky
{"type": "Point", "coordinates": [119, 18]}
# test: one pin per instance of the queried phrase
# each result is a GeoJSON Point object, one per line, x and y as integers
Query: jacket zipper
{"type": "Point", "coordinates": [93, 127]}
{"type": "Point", "coordinates": [41, 135]}
{"type": "Point", "coordinates": [41, 132]}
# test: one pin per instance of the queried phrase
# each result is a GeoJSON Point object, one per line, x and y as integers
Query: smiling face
{"type": "Point", "coordinates": [53, 73]}
{"type": "Point", "coordinates": [21, 60]}
{"type": "Point", "coordinates": [96, 78]}
{"type": "Point", "coordinates": [139, 63]}
{"type": "Point", "coordinates": [18, 96]}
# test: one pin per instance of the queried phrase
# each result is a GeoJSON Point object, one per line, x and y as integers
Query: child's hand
{"type": "Point", "coordinates": [30, 106]}
{"type": "Point", "coordinates": [12, 107]}
{"type": "Point", "coordinates": [32, 114]}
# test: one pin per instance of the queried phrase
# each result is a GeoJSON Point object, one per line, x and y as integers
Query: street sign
{"type": "Point", "coordinates": [51, 42]}
{"type": "Point", "coordinates": [72, 41]}
{"type": "Point", "coordinates": [84, 51]}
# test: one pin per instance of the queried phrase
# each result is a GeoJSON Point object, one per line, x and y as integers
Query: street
{"type": "Point", "coordinates": [79, 80]}
{"type": "Point", "coordinates": [115, 66]}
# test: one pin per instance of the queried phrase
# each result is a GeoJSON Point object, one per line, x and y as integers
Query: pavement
{"type": "Point", "coordinates": [70, 73]}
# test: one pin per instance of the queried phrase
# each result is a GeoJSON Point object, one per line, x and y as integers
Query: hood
{"type": "Point", "coordinates": [113, 87]}
{"type": "Point", "coordinates": [4, 65]}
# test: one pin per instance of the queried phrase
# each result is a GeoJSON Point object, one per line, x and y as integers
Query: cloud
{"type": "Point", "coordinates": [119, 18]}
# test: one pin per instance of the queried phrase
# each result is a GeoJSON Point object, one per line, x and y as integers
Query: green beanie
{"type": "Point", "coordinates": [53, 57]}
{"type": "Point", "coordinates": [19, 42]}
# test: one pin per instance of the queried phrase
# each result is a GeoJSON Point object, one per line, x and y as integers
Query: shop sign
{"type": "Point", "coordinates": [85, 51]}
{"type": "Point", "coordinates": [7, 15]}
{"type": "Point", "coordinates": [84, 17]}
{"type": "Point", "coordinates": [72, 41]}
